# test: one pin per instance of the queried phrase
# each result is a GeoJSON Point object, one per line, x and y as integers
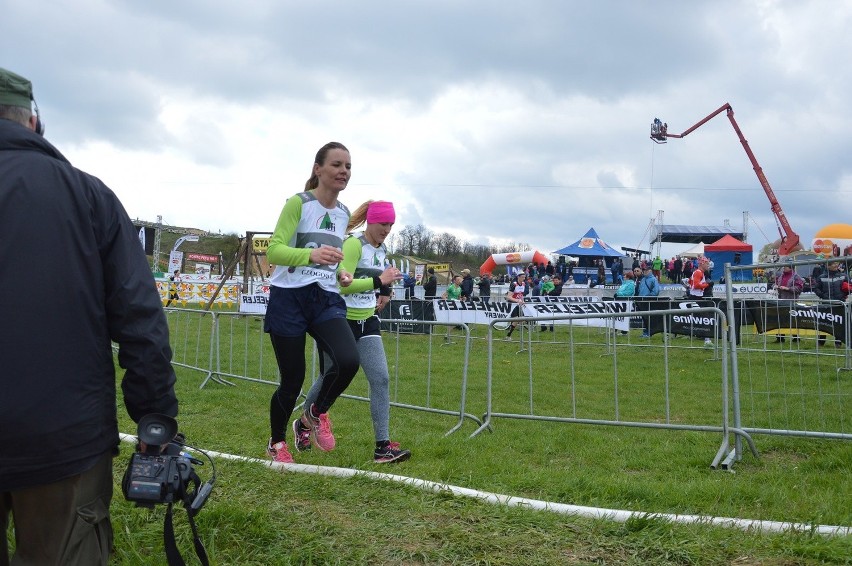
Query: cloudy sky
{"type": "Point", "coordinates": [499, 121]}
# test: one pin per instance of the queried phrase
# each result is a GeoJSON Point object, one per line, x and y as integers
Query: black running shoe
{"type": "Point", "coordinates": [390, 452]}
{"type": "Point", "coordinates": [301, 436]}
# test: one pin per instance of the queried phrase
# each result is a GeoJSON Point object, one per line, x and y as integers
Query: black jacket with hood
{"type": "Point", "coordinates": [74, 280]}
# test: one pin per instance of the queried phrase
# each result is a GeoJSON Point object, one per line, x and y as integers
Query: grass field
{"type": "Point", "coordinates": [257, 515]}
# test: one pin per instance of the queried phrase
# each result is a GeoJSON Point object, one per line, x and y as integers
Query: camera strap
{"type": "Point", "coordinates": [172, 553]}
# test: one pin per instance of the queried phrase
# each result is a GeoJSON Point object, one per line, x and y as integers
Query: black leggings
{"type": "Point", "coordinates": [334, 338]}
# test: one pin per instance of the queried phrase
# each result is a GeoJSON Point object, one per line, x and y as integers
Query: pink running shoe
{"type": "Point", "coordinates": [279, 452]}
{"type": "Point", "coordinates": [320, 429]}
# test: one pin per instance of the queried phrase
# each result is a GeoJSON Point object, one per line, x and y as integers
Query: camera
{"type": "Point", "coordinates": [163, 475]}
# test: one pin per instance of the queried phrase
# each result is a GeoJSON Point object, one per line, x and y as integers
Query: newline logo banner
{"type": "Point", "coordinates": [772, 315]}
{"type": "Point", "coordinates": [820, 316]}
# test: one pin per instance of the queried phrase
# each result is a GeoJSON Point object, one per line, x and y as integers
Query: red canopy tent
{"type": "Point", "coordinates": [728, 249]}
{"type": "Point", "coordinates": [727, 243]}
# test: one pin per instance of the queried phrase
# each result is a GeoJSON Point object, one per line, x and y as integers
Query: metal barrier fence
{"type": "Point", "coordinates": [793, 388]}
{"type": "Point", "coordinates": [229, 347]}
{"type": "Point", "coordinates": [791, 365]}
{"type": "Point", "coordinates": [192, 338]}
{"type": "Point", "coordinates": [653, 401]}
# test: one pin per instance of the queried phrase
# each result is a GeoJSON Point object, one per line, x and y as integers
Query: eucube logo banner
{"type": "Point", "coordinates": [742, 288]}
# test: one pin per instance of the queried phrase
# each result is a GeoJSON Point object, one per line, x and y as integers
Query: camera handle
{"type": "Point", "coordinates": [172, 553]}
{"type": "Point", "coordinates": [201, 498]}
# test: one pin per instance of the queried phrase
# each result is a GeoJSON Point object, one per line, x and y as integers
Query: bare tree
{"type": "Point", "coordinates": [422, 241]}
{"type": "Point", "coordinates": [508, 248]}
{"type": "Point", "coordinates": [447, 245]}
{"type": "Point", "coordinates": [406, 239]}
{"type": "Point", "coordinates": [476, 252]}
{"type": "Point", "coordinates": [392, 243]}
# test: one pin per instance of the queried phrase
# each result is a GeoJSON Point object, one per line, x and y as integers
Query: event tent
{"type": "Point", "coordinates": [679, 234]}
{"type": "Point", "coordinates": [695, 251]}
{"type": "Point", "coordinates": [728, 249]}
{"type": "Point", "coordinates": [589, 245]}
{"type": "Point", "coordinates": [587, 249]}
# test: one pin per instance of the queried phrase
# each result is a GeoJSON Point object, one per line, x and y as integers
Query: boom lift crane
{"type": "Point", "coordinates": [789, 239]}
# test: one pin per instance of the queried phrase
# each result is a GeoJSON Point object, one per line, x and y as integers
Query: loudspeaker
{"type": "Point", "coordinates": [39, 125]}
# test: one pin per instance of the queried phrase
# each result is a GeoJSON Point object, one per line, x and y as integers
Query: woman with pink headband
{"type": "Point", "coordinates": [304, 298]}
{"type": "Point", "coordinates": [364, 254]}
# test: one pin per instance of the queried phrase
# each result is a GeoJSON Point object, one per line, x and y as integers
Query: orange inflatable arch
{"type": "Point", "coordinates": [512, 258]}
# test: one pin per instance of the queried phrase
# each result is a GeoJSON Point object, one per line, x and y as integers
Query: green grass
{"type": "Point", "coordinates": [257, 515]}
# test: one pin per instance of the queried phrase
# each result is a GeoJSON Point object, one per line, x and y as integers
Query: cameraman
{"type": "Point", "coordinates": [58, 421]}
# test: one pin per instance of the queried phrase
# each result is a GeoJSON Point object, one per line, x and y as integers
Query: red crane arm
{"type": "Point", "coordinates": [790, 240]}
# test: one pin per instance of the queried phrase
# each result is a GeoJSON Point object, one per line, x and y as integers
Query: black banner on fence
{"type": "Point", "coordinates": [412, 310]}
{"type": "Point", "coordinates": [146, 238]}
{"type": "Point", "coordinates": [687, 323]}
{"type": "Point", "coordinates": [780, 314]}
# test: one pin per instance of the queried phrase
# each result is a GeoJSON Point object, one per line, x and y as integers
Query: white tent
{"type": "Point", "coordinates": [694, 251]}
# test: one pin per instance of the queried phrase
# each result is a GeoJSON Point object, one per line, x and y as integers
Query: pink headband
{"type": "Point", "coordinates": [381, 212]}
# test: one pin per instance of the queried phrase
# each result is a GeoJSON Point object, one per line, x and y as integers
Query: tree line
{"type": "Point", "coordinates": [421, 242]}
{"type": "Point", "coordinates": [411, 240]}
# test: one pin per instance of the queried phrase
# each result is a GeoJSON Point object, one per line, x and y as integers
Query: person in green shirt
{"type": "Point", "coordinates": [657, 267]}
{"type": "Point", "coordinates": [365, 256]}
{"type": "Point", "coordinates": [453, 292]}
{"type": "Point", "coordinates": [304, 299]}
{"type": "Point", "coordinates": [547, 285]}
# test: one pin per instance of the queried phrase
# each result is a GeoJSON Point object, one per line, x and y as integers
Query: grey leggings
{"type": "Point", "coordinates": [375, 366]}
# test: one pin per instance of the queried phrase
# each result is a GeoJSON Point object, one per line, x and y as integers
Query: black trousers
{"type": "Point", "coordinates": [334, 339]}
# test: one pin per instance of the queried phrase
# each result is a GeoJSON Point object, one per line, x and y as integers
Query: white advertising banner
{"type": "Point", "coordinates": [476, 311]}
{"type": "Point", "coordinates": [756, 289]}
{"type": "Point", "coordinates": [254, 303]}
{"type": "Point", "coordinates": [550, 306]}
{"type": "Point", "coordinates": [175, 260]}
{"type": "Point", "coordinates": [479, 312]}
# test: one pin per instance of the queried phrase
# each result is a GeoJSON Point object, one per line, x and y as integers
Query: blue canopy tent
{"type": "Point", "coordinates": [589, 248]}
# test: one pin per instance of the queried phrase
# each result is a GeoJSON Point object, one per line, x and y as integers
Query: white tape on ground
{"type": "Point", "coordinates": [617, 515]}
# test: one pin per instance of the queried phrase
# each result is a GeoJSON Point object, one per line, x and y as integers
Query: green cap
{"type": "Point", "coordinates": [15, 90]}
